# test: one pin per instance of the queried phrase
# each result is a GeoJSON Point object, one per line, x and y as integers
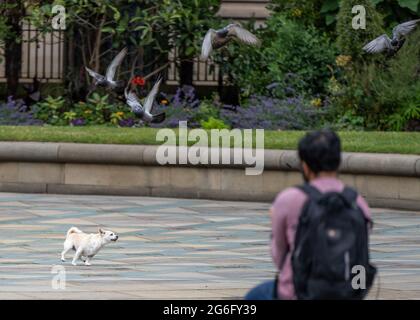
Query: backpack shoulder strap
{"type": "Point", "coordinates": [350, 195]}
{"type": "Point", "coordinates": [310, 191]}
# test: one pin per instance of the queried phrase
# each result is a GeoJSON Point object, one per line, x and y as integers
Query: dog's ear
{"type": "Point", "coordinates": [101, 231]}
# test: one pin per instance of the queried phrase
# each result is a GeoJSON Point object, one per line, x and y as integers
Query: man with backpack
{"type": "Point", "coordinates": [320, 230]}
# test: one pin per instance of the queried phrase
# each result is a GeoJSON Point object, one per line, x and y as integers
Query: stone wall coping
{"type": "Point", "coordinates": [145, 155]}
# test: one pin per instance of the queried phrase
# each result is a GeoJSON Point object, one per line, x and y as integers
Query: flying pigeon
{"type": "Point", "coordinates": [216, 39]}
{"type": "Point", "coordinates": [144, 112]}
{"type": "Point", "coordinates": [108, 81]}
{"type": "Point", "coordinates": [390, 46]}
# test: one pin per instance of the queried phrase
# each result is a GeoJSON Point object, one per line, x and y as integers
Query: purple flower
{"type": "Point", "coordinates": [273, 114]}
{"type": "Point", "coordinates": [78, 122]}
{"type": "Point", "coordinates": [127, 122]}
{"type": "Point", "coordinates": [185, 95]}
{"type": "Point", "coordinates": [14, 112]}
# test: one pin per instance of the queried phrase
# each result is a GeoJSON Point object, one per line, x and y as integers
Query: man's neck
{"type": "Point", "coordinates": [324, 174]}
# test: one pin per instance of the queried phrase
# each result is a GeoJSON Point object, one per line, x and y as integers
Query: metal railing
{"type": "Point", "coordinates": [204, 73]}
{"type": "Point", "coordinates": [43, 58]}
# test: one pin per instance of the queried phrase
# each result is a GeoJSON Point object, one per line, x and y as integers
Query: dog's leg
{"type": "Point", "coordinates": [77, 256]}
{"type": "Point", "coordinates": [67, 248]}
{"type": "Point", "coordinates": [87, 261]}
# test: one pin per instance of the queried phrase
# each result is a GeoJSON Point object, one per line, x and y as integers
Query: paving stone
{"type": "Point", "coordinates": [171, 248]}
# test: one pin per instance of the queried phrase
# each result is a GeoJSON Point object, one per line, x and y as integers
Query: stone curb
{"type": "Point", "coordinates": [284, 160]}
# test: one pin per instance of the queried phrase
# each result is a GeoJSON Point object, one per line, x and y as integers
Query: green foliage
{"type": "Point", "coordinates": [194, 18]}
{"type": "Point", "coordinates": [99, 29]}
{"type": "Point", "coordinates": [351, 41]}
{"type": "Point", "coordinates": [243, 64]}
{"type": "Point", "coordinates": [296, 58]}
{"type": "Point", "coordinates": [96, 111]}
{"type": "Point", "coordinates": [150, 29]}
{"type": "Point", "coordinates": [297, 53]}
{"type": "Point", "coordinates": [323, 13]}
{"type": "Point", "coordinates": [4, 29]}
{"type": "Point", "coordinates": [8, 12]}
{"type": "Point", "coordinates": [50, 110]}
{"type": "Point", "coordinates": [208, 116]}
{"type": "Point", "coordinates": [397, 88]}
{"type": "Point", "coordinates": [404, 9]}
{"type": "Point", "coordinates": [355, 97]}
{"type": "Point", "coordinates": [355, 92]}
{"type": "Point", "coordinates": [329, 10]}
{"type": "Point", "coordinates": [213, 123]}
{"type": "Point", "coordinates": [206, 110]}
{"type": "Point", "coordinates": [304, 53]}
{"type": "Point", "coordinates": [307, 12]}
{"type": "Point", "coordinates": [398, 120]}
{"type": "Point", "coordinates": [386, 93]}
{"type": "Point", "coordinates": [349, 121]}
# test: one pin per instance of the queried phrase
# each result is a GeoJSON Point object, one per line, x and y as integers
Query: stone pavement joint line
{"type": "Point", "coordinates": [170, 248]}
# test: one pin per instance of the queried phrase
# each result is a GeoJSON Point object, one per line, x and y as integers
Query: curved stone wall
{"type": "Point", "coordinates": [386, 180]}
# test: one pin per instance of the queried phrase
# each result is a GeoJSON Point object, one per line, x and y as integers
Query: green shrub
{"type": "Point", "coordinates": [307, 12]}
{"type": "Point", "coordinates": [350, 41]}
{"type": "Point", "coordinates": [403, 9]}
{"type": "Point", "coordinates": [398, 88]}
{"type": "Point", "coordinates": [206, 110]}
{"type": "Point", "coordinates": [213, 123]}
{"type": "Point", "coordinates": [398, 120]}
{"type": "Point", "coordinates": [295, 57]}
{"type": "Point", "coordinates": [208, 116]}
{"type": "Point", "coordinates": [349, 121]}
{"type": "Point", "coordinates": [51, 110]}
{"type": "Point", "coordinates": [300, 57]}
{"type": "Point", "coordinates": [385, 92]}
{"type": "Point", "coordinates": [96, 111]}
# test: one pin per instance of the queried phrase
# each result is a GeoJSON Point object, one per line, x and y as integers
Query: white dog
{"type": "Point", "coordinates": [86, 245]}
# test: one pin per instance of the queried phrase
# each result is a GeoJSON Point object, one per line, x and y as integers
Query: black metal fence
{"type": "Point", "coordinates": [205, 73]}
{"type": "Point", "coordinates": [43, 58]}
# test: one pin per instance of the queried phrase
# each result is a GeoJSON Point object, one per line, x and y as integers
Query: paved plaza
{"type": "Point", "coordinates": [170, 248]}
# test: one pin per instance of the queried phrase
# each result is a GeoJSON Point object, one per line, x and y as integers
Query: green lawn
{"type": "Point", "coordinates": [386, 142]}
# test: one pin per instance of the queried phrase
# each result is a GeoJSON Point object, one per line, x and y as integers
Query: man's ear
{"type": "Point", "coordinates": [101, 231]}
{"type": "Point", "coordinates": [305, 168]}
{"type": "Point", "coordinates": [307, 173]}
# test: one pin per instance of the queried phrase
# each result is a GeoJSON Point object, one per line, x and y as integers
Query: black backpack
{"type": "Point", "coordinates": [331, 238]}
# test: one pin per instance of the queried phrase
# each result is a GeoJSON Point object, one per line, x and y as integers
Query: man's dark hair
{"type": "Point", "coordinates": [320, 150]}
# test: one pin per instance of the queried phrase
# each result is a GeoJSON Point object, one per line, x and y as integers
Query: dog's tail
{"type": "Point", "coordinates": [73, 230]}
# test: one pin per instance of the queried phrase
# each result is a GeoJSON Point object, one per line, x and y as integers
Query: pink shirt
{"type": "Point", "coordinates": [285, 216]}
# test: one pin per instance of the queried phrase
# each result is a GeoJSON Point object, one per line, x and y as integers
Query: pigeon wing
{"type": "Point", "coordinates": [112, 68]}
{"type": "Point", "coordinates": [404, 28]}
{"type": "Point", "coordinates": [243, 35]}
{"type": "Point", "coordinates": [207, 45]}
{"type": "Point", "coordinates": [133, 101]}
{"type": "Point", "coordinates": [94, 74]}
{"type": "Point", "coordinates": [148, 104]}
{"type": "Point", "coordinates": [380, 44]}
